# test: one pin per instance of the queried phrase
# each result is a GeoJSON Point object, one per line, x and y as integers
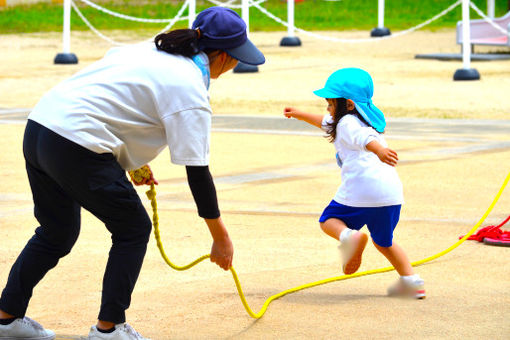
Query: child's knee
{"type": "Point", "coordinates": [382, 249]}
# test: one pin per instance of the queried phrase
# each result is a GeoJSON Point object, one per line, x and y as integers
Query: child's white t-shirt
{"type": "Point", "coordinates": [133, 103]}
{"type": "Point", "coordinates": [366, 181]}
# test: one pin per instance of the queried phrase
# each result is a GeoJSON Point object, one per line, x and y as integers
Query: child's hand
{"type": "Point", "coordinates": [291, 112]}
{"type": "Point", "coordinates": [388, 156]}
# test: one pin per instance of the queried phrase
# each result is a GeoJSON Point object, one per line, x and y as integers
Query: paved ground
{"type": "Point", "coordinates": [274, 176]}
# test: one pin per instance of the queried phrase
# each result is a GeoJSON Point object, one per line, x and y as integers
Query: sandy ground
{"type": "Point", "coordinates": [272, 221]}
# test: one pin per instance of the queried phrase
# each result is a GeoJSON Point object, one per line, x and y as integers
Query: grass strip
{"type": "Point", "coordinates": [309, 15]}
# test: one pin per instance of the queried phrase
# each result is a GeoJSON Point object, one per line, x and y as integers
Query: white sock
{"type": "Point", "coordinates": [345, 234]}
{"type": "Point", "coordinates": [411, 278]}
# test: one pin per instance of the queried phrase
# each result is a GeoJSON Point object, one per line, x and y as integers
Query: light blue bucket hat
{"type": "Point", "coordinates": [355, 84]}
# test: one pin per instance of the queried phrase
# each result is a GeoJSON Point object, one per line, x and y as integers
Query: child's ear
{"type": "Point", "coordinates": [350, 105]}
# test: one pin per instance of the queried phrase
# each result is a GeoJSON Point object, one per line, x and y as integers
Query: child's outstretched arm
{"type": "Point", "coordinates": [310, 118]}
{"type": "Point", "coordinates": [386, 155]}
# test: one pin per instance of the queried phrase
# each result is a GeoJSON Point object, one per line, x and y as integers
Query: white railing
{"type": "Point", "coordinates": [257, 4]}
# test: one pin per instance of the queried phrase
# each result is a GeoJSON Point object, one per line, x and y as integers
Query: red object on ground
{"type": "Point", "coordinates": [494, 234]}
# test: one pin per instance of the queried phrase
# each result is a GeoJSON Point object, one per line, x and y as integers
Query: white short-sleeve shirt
{"type": "Point", "coordinates": [366, 181]}
{"type": "Point", "coordinates": [132, 103]}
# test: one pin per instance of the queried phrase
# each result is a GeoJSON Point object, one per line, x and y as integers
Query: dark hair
{"type": "Point", "coordinates": [341, 111]}
{"type": "Point", "coordinates": [181, 41]}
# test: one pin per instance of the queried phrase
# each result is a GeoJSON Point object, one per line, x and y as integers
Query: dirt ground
{"type": "Point", "coordinates": [272, 219]}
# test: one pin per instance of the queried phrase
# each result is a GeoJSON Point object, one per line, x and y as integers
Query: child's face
{"type": "Point", "coordinates": [331, 107]}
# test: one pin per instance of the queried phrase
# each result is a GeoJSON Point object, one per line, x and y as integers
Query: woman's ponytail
{"type": "Point", "coordinates": [181, 41]}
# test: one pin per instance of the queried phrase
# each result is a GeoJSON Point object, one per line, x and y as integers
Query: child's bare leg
{"type": "Point", "coordinates": [333, 227]}
{"type": "Point", "coordinates": [398, 258]}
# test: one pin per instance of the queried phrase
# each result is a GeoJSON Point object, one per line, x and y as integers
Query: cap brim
{"type": "Point", "coordinates": [247, 53]}
{"type": "Point", "coordinates": [324, 93]}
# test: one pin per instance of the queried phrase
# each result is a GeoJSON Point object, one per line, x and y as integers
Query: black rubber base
{"type": "Point", "coordinates": [290, 41]}
{"type": "Point", "coordinates": [458, 56]}
{"type": "Point", "coordinates": [380, 32]}
{"type": "Point", "coordinates": [245, 68]}
{"type": "Point", "coordinates": [466, 74]}
{"type": "Point", "coordinates": [498, 243]}
{"type": "Point", "coordinates": [66, 58]}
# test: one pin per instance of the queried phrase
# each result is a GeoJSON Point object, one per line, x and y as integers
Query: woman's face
{"type": "Point", "coordinates": [220, 62]}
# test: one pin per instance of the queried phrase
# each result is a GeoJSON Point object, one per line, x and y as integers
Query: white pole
{"type": "Point", "coordinates": [66, 36]}
{"type": "Point", "coordinates": [290, 18]}
{"type": "Point", "coordinates": [466, 39]}
{"type": "Point", "coordinates": [491, 9]}
{"type": "Point", "coordinates": [380, 12]}
{"type": "Point", "coordinates": [245, 13]}
{"type": "Point", "coordinates": [191, 12]}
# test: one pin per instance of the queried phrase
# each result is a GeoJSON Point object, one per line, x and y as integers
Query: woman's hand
{"type": "Point", "coordinates": [222, 252]}
{"type": "Point", "coordinates": [388, 156]}
{"type": "Point", "coordinates": [142, 176]}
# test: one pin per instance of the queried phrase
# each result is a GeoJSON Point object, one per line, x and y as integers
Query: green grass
{"type": "Point", "coordinates": [309, 15]}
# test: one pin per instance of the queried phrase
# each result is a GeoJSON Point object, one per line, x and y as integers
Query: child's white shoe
{"type": "Point", "coordinates": [122, 331]}
{"type": "Point", "coordinates": [351, 250]}
{"type": "Point", "coordinates": [407, 288]}
{"type": "Point", "coordinates": [25, 329]}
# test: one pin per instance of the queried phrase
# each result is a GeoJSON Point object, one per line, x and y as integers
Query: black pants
{"type": "Point", "coordinates": [64, 177]}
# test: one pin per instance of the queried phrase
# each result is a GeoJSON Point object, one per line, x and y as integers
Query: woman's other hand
{"type": "Point", "coordinates": [222, 253]}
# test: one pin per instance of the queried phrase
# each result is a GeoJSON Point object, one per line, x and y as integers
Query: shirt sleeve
{"type": "Point", "coordinates": [326, 120]}
{"type": "Point", "coordinates": [188, 135]}
{"type": "Point", "coordinates": [204, 192]}
{"type": "Point", "coordinates": [355, 135]}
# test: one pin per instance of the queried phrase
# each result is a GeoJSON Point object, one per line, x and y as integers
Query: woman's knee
{"type": "Point", "coordinates": [58, 242]}
{"type": "Point", "coordinates": [134, 232]}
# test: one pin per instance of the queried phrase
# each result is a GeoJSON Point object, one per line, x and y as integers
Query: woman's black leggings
{"type": "Point", "coordinates": [64, 177]}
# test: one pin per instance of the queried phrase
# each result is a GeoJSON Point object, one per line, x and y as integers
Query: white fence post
{"type": "Point", "coordinates": [191, 12]}
{"type": "Point", "coordinates": [66, 57]}
{"type": "Point", "coordinates": [290, 39]}
{"type": "Point", "coordinates": [466, 73]}
{"type": "Point", "coordinates": [380, 30]}
{"type": "Point", "coordinates": [491, 9]}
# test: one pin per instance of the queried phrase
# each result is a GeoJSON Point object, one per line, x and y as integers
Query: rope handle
{"type": "Point", "coordinates": [142, 176]}
{"type": "Point", "coordinates": [491, 231]}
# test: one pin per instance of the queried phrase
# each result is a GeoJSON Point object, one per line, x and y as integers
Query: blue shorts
{"type": "Point", "coordinates": [380, 221]}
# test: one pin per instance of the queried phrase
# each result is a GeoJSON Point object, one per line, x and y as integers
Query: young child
{"type": "Point", "coordinates": [371, 191]}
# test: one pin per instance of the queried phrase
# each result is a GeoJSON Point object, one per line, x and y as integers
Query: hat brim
{"type": "Point", "coordinates": [372, 115]}
{"type": "Point", "coordinates": [247, 53]}
{"type": "Point", "coordinates": [325, 93]}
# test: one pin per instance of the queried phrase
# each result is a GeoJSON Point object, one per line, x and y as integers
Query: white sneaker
{"type": "Point", "coordinates": [414, 289]}
{"type": "Point", "coordinates": [25, 329]}
{"type": "Point", "coordinates": [352, 250]}
{"type": "Point", "coordinates": [122, 331]}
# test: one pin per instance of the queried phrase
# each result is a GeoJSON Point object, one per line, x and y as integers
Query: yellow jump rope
{"type": "Point", "coordinates": [144, 173]}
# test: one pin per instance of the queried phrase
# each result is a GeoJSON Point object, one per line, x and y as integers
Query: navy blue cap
{"type": "Point", "coordinates": [223, 29]}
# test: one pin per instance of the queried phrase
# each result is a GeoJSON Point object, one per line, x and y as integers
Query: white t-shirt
{"type": "Point", "coordinates": [366, 181]}
{"type": "Point", "coordinates": [133, 103]}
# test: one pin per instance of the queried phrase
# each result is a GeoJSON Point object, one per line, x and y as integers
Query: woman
{"type": "Point", "coordinates": [116, 115]}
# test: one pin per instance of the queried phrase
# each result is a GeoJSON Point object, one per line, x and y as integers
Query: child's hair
{"type": "Point", "coordinates": [341, 111]}
{"type": "Point", "coordinates": [181, 41]}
